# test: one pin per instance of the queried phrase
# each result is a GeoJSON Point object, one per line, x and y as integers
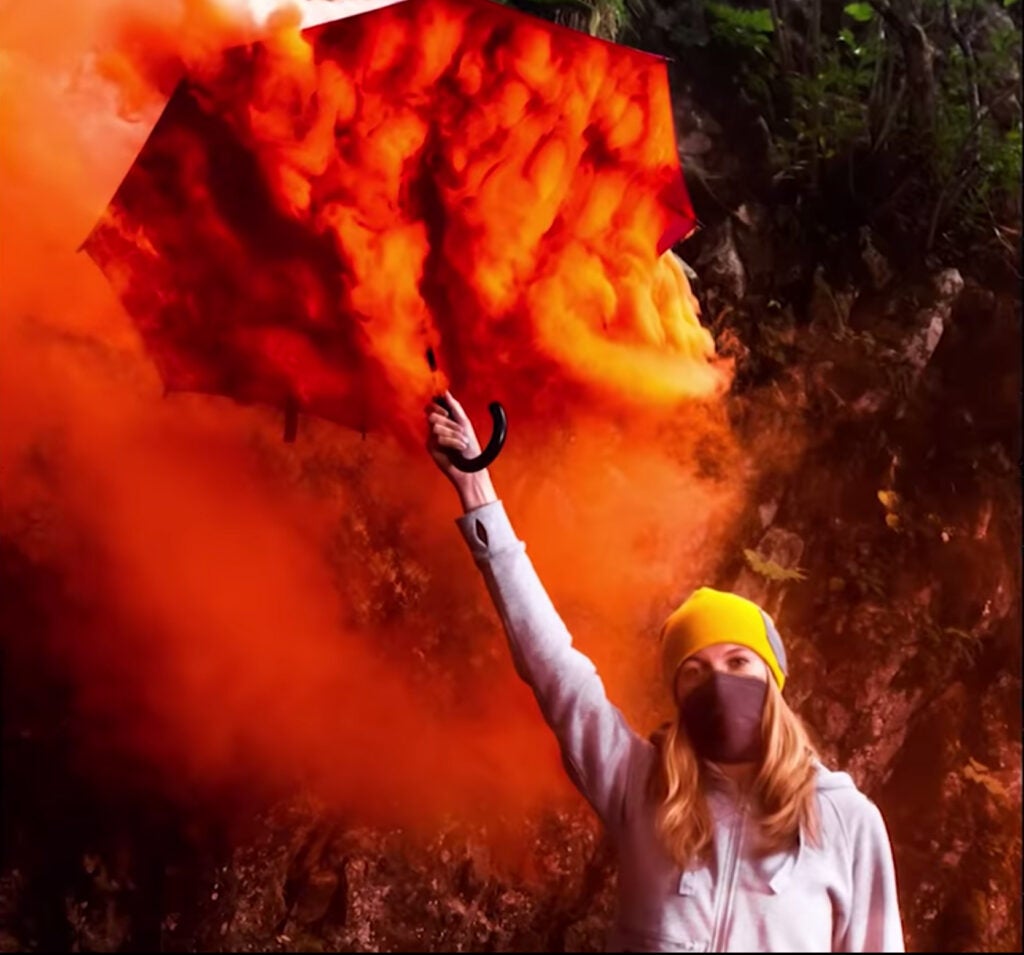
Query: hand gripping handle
{"type": "Point", "coordinates": [499, 430]}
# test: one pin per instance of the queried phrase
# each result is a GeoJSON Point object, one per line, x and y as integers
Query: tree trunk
{"type": "Point", "coordinates": [781, 37]}
{"type": "Point", "coordinates": [918, 60]}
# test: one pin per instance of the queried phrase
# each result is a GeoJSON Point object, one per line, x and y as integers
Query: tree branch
{"type": "Point", "coordinates": [884, 9]}
{"type": "Point", "coordinates": [970, 65]}
{"type": "Point", "coordinates": [918, 56]}
{"type": "Point", "coordinates": [781, 37]}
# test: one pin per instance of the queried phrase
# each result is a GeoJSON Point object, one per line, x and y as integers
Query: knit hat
{"type": "Point", "coordinates": [710, 616]}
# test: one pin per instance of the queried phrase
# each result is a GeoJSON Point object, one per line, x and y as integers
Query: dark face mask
{"type": "Point", "coordinates": [722, 717]}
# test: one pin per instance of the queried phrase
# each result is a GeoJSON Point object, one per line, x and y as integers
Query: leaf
{"type": "Point", "coordinates": [890, 500]}
{"type": "Point", "coordinates": [892, 521]}
{"type": "Point", "coordinates": [861, 12]}
{"type": "Point", "coordinates": [742, 22]}
{"type": "Point", "coordinates": [980, 773]}
{"type": "Point", "coordinates": [846, 35]}
{"type": "Point", "coordinates": [768, 568]}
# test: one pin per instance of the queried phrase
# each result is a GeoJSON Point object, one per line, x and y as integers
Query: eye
{"type": "Point", "coordinates": [739, 661]}
{"type": "Point", "coordinates": [690, 674]}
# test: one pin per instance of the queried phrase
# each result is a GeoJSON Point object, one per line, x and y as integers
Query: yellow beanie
{"type": "Point", "coordinates": [710, 616]}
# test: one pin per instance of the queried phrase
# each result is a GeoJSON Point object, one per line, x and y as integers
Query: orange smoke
{"type": "Point", "coordinates": [260, 613]}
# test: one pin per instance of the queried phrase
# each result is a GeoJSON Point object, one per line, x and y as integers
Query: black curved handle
{"type": "Point", "coordinates": [499, 430]}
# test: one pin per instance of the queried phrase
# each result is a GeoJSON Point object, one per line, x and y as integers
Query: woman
{"type": "Point", "coordinates": [730, 835]}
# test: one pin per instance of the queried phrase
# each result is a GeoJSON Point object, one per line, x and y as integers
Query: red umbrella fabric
{"type": "Point", "coordinates": [315, 211]}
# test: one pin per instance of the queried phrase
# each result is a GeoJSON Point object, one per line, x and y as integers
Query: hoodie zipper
{"type": "Point", "coordinates": [730, 872]}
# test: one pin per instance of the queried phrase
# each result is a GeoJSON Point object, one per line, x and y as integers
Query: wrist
{"type": "Point", "coordinates": [476, 490]}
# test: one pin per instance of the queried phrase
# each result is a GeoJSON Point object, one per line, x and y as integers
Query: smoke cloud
{"type": "Point", "coordinates": [245, 613]}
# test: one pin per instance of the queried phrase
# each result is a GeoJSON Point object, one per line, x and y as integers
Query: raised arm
{"type": "Point", "coordinates": [598, 746]}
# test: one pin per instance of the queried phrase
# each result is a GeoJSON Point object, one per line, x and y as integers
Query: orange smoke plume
{"type": "Point", "coordinates": [237, 611]}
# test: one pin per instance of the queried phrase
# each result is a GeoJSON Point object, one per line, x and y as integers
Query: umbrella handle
{"type": "Point", "coordinates": [499, 430]}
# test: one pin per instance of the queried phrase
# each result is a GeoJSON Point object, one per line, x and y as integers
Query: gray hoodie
{"type": "Point", "coordinates": [839, 895]}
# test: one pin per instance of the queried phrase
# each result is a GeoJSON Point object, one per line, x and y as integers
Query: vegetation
{"type": "Point", "coordinates": [771, 570]}
{"type": "Point", "coordinates": [924, 88]}
{"type": "Point", "coordinates": [607, 19]}
{"type": "Point", "coordinates": [909, 107]}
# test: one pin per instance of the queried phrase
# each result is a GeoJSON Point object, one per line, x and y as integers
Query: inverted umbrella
{"type": "Point", "coordinates": [320, 219]}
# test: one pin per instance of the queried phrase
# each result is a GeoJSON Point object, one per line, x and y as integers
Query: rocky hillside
{"type": "Point", "coordinates": [884, 534]}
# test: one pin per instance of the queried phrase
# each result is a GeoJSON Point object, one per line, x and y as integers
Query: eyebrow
{"type": "Point", "coordinates": [729, 654]}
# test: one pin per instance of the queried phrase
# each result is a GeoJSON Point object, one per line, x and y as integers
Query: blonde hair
{"type": "Point", "coordinates": [784, 788]}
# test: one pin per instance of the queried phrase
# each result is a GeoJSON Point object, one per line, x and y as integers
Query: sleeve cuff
{"type": "Point", "coordinates": [487, 530]}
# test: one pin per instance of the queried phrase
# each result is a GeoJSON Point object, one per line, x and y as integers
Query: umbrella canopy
{"type": "Point", "coordinates": [315, 213]}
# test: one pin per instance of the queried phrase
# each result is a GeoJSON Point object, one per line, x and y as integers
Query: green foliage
{"type": "Point", "coordinates": [841, 92]}
{"type": "Point", "coordinates": [745, 29]}
{"type": "Point", "coordinates": [861, 12]}
{"type": "Point", "coordinates": [976, 160]}
{"type": "Point", "coordinates": [747, 35]}
{"type": "Point", "coordinates": [993, 155]}
{"type": "Point", "coordinates": [830, 107]}
{"type": "Point", "coordinates": [847, 92]}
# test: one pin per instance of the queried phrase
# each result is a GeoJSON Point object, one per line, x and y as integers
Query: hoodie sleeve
{"type": "Point", "coordinates": [873, 920]}
{"type": "Point", "coordinates": [595, 740]}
